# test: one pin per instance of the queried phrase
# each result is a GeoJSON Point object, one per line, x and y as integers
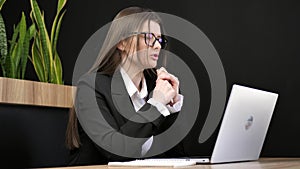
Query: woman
{"type": "Point", "coordinates": [134, 102]}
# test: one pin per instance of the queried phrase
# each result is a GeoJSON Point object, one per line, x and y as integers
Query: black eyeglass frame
{"type": "Point", "coordinates": [163, 44]}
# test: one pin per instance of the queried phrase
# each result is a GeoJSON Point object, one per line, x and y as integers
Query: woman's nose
{"type": "Point", "coordinates": [157, 45]}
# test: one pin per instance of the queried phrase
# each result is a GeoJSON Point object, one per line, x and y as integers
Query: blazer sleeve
{"type": "Point", "coordinates": [107, 128]}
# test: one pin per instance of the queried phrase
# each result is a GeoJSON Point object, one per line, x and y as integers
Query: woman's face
{"type": "Point", "coordinates": [144, 56]}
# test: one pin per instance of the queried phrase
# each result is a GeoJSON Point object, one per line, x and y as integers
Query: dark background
{"type": "Point", "coordinates": [257, 41]}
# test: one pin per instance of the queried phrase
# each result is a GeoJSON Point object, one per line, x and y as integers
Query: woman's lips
{"type": "Point", "coordinates": [154, 56]}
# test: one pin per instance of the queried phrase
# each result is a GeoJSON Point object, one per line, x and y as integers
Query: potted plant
{"type": "Point", "coordinates": [44, 57]}
{"type": "Point", "coordinates": [34, 114]}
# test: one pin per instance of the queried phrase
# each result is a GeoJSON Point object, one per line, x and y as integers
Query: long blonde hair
{"type": "Point", "coordinates": [126, 21]}
{"type": "Point", "coordinates": [109, 57]}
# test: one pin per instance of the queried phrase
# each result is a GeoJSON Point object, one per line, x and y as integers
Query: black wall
{"type": "Point", "coordinates": [257, 41]}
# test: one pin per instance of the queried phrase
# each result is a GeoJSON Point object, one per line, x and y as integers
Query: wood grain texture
{"type": "Point", "coordinates": [25, 92]}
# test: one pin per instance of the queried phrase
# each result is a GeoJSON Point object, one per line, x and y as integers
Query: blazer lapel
{"type": "Point", "coordinates": [120, 96]}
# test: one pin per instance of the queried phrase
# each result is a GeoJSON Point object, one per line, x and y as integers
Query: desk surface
{"type": "Point", "coordinates": [262, 163]}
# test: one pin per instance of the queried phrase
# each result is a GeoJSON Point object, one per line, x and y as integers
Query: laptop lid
{"type": "Point", "coordinates": [244, 126]}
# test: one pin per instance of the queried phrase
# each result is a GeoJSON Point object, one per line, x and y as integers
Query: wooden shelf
{"type": "Point", "coordinates": [25, 92]}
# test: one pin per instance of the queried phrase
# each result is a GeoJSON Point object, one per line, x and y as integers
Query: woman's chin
{"type": "Point", "coordinates": [150, 65]}
{"type": "Point", "coordinates": [153, 65]}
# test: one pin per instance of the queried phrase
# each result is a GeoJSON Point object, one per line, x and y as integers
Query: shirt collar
{"type": "Point", "coordinates": [131, 88]}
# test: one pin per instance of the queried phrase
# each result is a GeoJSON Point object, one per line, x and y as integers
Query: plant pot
{"type": "Point", "coordinates": [26, 92]}
{"type": "Point", "coordinates": [33, 118]}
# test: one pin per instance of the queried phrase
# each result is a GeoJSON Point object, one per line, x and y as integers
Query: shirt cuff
{"type": "Point", "coordinates": [177, 106]}
{"type": "Point", "coordinates": [160, 107]}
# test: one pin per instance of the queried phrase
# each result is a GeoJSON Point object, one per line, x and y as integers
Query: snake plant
{"type": "Point", "coordinates": [14, 58]}
{"type": "Point", "coordinates": [3, 45]}
{"type": "Point", "coordinates": [45, 58]}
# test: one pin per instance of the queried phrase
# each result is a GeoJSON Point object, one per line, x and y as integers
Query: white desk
{"type": "Point", "coordinates": [262, 163]}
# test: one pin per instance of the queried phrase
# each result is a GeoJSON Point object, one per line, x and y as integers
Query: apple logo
{"type": "Point", "coordinates": [249, 122]}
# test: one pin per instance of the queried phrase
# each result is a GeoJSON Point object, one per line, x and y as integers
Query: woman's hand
{"type": "Point", "coordinates": [162, 74]}
{"type": "Point", "coordinates": [163, 91]}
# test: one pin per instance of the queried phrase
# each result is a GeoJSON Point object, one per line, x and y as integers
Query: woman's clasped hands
{"type": "Point", "coordinates": [167, 87]}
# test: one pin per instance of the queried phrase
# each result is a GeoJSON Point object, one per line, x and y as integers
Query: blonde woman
{"type": "Point", "coordinates": [134, 98]}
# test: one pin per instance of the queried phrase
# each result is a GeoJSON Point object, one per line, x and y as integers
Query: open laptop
{"type": "Point", "coordinates": [244, 126]}
{"type": "Point", "coordinates": [243, 129]}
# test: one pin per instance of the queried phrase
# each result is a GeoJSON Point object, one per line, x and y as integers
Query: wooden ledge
{"type": "Point", "coordinates": [26, 92]}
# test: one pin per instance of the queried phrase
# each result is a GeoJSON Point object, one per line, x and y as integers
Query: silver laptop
{"type": "Point", "coordinates": [244, 126]}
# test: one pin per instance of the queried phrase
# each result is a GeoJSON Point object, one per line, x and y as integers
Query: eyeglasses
{"type": "Point", "coordinates": [150, 39]}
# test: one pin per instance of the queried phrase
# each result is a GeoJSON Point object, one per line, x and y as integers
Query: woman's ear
{"type": "Point", "coordinates": [121, 45]}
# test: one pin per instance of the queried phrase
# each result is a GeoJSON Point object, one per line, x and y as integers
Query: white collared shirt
{"type": "Point", "coordinates": [137, 97]}
{"type": "Point", "coordinates": [138, 100]}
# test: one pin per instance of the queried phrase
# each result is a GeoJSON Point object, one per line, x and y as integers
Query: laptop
{"type": "Point", "coordinates": [244, 126]}
{"type": "Point", "coordinates": [243, 129]}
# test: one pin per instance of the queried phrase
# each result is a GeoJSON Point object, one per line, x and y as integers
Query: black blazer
{"type": "Point", "coordinates": [116, 118]}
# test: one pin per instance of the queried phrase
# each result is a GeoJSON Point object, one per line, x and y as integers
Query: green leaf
{"type": "Point", "coordinates": [57, 30]}
{"type": "Point", "coordinates": [45, 69]}
{"type": "Point", "coordinates": [13, 41]}
{"type": "Point", "coordinates": [60, 5]}
{"type": "Point", "coordinates": [43, 35]}
{"type": "Point", "coordinates": [38, 42]}
{"type": "Point", "coordinates": [3, 45]}
{"type": "Point", "coordinates": [16, 50]}
{"type": "Point", "coordinates": [22, 33]}
{"type": "Point", "coordinates": [1, 3]}
{"type": "Point", "coordinates": [7, 67]}
{"type": "Point", "coordinates": [29, 35]}
{"type": "Point", "coordinates": [3, 39]}
{"type": "Point", "coordinates": [37, 62]}
{"type": "Point", "coordinates": [53, 29]}
{"type": "Point", "coordinates": [58, 69]}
